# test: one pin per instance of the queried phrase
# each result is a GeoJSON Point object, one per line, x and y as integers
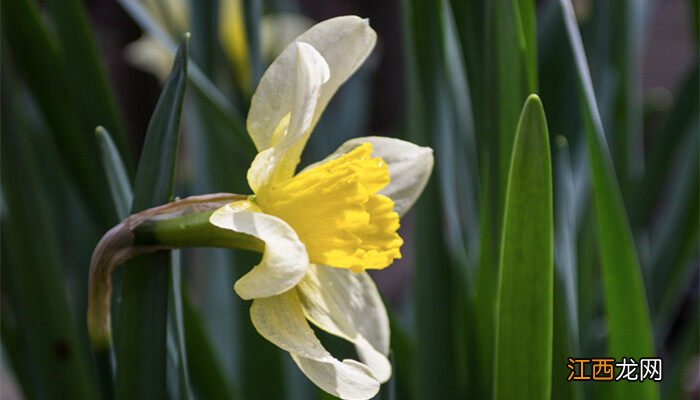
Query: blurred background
{"type": "Point", "coordinates": [449, 74]}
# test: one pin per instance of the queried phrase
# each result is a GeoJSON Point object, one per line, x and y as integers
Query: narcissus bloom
{"type": "Point", "coordinates": [324, 226]}
{"type": "Point", "coordinates": [318, 230]}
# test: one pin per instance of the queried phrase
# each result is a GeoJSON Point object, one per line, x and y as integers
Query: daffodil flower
{"type": "Point", "coordinates": [326, 225]}
{"type": "Point", "coordinates": [172, 16]}
{"type": "Point", "coordinates": [318, 230]}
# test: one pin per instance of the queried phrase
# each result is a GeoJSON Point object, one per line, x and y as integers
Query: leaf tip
{"type": "Point", "coordinates": [533, 100]}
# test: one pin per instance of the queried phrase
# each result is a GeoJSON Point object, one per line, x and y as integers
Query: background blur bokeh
{"type": "Point", "coordinates": [450, 74]}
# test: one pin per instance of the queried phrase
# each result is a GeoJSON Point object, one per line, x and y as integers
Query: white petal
{"type": "Point", "coordinates": [409, 165]}
{"type": "Point", "coordinates": [348, 305]}
{"type": "Point", "coordinates": [280, 320]}
{"type": "Point", "coordinates": [344, 42]}
{"type": "Point", "coordinates": [311, 73]}
{"type": "Point", "coordinates": [284, 261]}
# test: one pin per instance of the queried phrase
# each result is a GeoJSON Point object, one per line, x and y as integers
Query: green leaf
{"type": "Point", "coordinates": [528, 26]}
{"type": "Point", "coordinates": [562, 348]}
{"type": "Point", "coordinates": [114, 168]}
{"type": "Point", "coordinates": [207, 93]}
{"type": "Point", "coordinates": [525, 291]}
{"type": "Point", "coordinates": [629, 328]}
{"type": "Point", "coordinates": [122, 196]}
{"type": "Point", "coordinates": [437, 370]}
{"type": "Point", "coordinates": [52, 357]}
{"type": "Point", "coordinates": [403, 367]}
{"type": "Point", "coordinates": [662, 149]}
{"type": "Point", "coordinates": [515, 72]}
{"type": "Point", "coordinates": [176, 330]}
{"type": "Point", "coordinates": [85, 73]}
{"type": "Point", "coordinates": [208, 381]}
{"type": "Point", "coordinates": [141, 339]}
{"type": "Point", "coordinates": [204, 34]}
{"type": "Point", "coordinates": [675, 237]}
{"type": "Point", "coordinates": [566, 235]}
{"type": "Point", "coordinates": [39, 59]}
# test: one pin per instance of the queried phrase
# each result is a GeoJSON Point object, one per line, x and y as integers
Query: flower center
{"type": "Point", "coordinates": [337, 213]}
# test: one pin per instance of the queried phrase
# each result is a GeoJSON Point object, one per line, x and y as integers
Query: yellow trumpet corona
{"type": "Point", "coordinates": [337, 212]}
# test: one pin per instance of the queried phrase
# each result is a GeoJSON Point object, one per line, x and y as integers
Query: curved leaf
{"type": "Point", "coordinates": [141, 340]}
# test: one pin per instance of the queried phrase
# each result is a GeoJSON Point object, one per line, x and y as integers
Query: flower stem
{"type": "Point", "coordinates": [192, 230]}
{"type": "Point", "coordinates": [182, 223]}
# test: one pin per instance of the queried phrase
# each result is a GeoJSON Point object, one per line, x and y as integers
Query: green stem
{"type": "Point", "coordinates": [183, 223]}
{"type": "Point", "coordinates": [192, 230]}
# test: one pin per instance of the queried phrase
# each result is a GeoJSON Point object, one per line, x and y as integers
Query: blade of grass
{"type": "Point", "coordinates": [86, 77]}
{"type": "Point", "coordinates": [629, 328]}
{"type": "Point", "coordinates": [141, 340]}
{"type": "Point", "coordinates": [525, 292]}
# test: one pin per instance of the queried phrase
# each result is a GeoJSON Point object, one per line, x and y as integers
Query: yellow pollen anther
{"type": "Point", "coordinates": [337, 213]}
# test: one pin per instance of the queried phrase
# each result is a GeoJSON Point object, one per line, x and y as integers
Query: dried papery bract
{"type": "Point", "coordinates": [125, 241]}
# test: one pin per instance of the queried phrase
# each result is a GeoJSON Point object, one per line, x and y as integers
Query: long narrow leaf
{"type": "Point", "coordinates": [51, 352]}
{"type": "Point", "coordinates": [85, 73]}
{"type": "Point", "coordinates": [205, 90]}
{"type": "Point", "coordinates": [528, 24]}
{"type": "Point", "coordinates": [114, 168]}
{"type": "Point", "coordinates": [207, 378]}
{"type": "Point", "coordinates": [682, 118]}
{"type": "Point", "coordinates": [435, 358]}
{"type": "Point", "coordinates": [565, 253]}
{"type": "Point", "coordinates": [41, 64]}
{"type": "Point", "coordinates": [176, 330]}
{"type": "Point", "coordinates": [525, 293]}
{"type": "Point", "coordinates": [179, 304]}
{"type": "Point", "coordinates": [515, 73]}
{"type": "Point", "coordinates": [141, 341]}
{"type": "Point", "coordinates": [629, 327]}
